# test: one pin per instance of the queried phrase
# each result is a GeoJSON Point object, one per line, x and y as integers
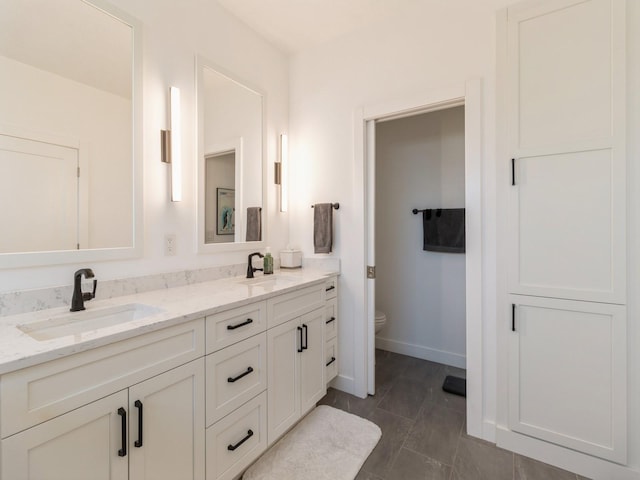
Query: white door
{"type": "Point", "coordinates": [284, 347]}
{"type": "Point", "coordinates": [567, 215]}
{"type": "Point", "coordinates": [567, 137]}
{"type": "Point", "coordinates": [166, 426]}
{"type": "Point", "coordinates": [79, 445]}
{"type": "Point", "coordinates": [44, 215]}
{"type": "Point", "coordinates": [567, 363]}
{"type": "Point", "coordinates": [313, 385]}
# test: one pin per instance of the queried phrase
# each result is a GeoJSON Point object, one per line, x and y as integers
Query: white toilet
{"type": "Point", "coordinates": [381, 321]}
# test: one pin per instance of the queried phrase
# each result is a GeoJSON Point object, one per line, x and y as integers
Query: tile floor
{"type": "Point", "coordinates": [423, 429]}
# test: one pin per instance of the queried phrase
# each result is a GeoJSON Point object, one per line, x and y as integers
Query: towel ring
{"type": "Point", "coordinates": [336, 206]}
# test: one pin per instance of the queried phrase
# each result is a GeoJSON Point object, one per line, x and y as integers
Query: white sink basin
{"type": "Point", "coordinates": [77, 323]}
{"type": "Point", "coordinates": [268, 281]}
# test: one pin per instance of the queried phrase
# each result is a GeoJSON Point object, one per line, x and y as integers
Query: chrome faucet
{"type": "Point", "coordinates": [78, 299]}
{"type": "Point", "coordinates": [250, 268]}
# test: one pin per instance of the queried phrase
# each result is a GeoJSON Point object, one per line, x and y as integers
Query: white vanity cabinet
{"type": "Point", "coordinates": [131, 410]}
{"type": "Point", "coordinates": [295, 351]}
{"type": "Point", "coordinates": [331, 329]}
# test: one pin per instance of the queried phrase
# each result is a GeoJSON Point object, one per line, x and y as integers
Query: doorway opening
{"type": "Point", "coordinates": [467, 99]}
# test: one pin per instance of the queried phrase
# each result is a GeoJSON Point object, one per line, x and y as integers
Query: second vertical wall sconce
{"type": "Point", "coordinates": [172, 145]}
{"type": "Point", "coordinates": [281, 172]}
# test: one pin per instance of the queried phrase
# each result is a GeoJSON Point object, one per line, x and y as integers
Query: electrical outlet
{"type": "Point", "coordinates": [169, 244]}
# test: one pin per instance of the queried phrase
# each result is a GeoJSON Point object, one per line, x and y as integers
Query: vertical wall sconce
{"type": "Point", "coordinates": [172, 145]}
{"type": "Point", "coordinates": [281, 172]}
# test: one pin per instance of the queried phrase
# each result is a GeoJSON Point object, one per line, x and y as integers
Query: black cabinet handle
{"type": "Point", "coordinates": [233, 327]}
{"type": "Point", "coordinates": [513, 317]}
{"type": "Point", "coordinates": [513, 171]}
{"type": "Point", "coordinates": [233, 379]}
{"type": "Point", "coordinates": [138, 405]}
{"type": "Point", "coordinates": [328, 289]}
{"type": "Point", "coordinates": [306, 337]}
{"type": "Point", "coordinates": [233, 447]}
{"type": "Point", "coordinates": [123, 414]}
{"type": "Point", "coordinates": [333, 359]}
{"type": "Point", "coordinates": [330, 320]}
{"type": "Point", "coordinates": [300, 339]}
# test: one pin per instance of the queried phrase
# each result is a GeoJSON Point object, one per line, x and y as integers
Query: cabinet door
{"type": "Point", "coordinates": [567, 374]}
{"type": "Point", "coordinates": [567, 205]}
{"type": "Point", "coordinates": [283, 366]}
{"type": "Point", "coordinates": [312, 363]}
{"type": "Point", "coordinates": [79, 445]}
{"type": "Point", "coordinates": [170, 443]}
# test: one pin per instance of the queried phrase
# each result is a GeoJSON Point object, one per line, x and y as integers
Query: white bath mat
{"type": "Point", "coordinates": [327, 444]}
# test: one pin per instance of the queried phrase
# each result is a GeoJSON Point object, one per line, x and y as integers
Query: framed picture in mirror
{"type": "Point", "coordinates": [225, 207]}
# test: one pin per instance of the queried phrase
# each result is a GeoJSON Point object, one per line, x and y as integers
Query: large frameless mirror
{"type": "Point", "coordinates": [69, 132]}
{"type": "Point", "coordinates": [230, 160]}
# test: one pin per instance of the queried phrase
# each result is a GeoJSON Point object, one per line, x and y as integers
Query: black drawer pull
{"type": "Point", "coordinates": [333, 359]}
{"type": "Point", "coordinates": [330, 320]}
{"type": "Point", "coordinates": [233, 327]}
{"type": "Point", "coordinates": [233, 379]}
{"type": "Point", "coordinates": [123, 414]}
{"type": "Point", "coordinates": [300, 331]}
{"type": "Point", "coordinates": [306, 337]}
{"type": "Point", "coordinates": [138, 405]}
{"type": "Point", "coordinates": [332, 287]}
{"type": "Point", "coordinates": [233, 447]}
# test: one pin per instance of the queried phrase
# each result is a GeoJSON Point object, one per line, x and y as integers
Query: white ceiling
{"type": "Point", "coordinates": [296, 25]}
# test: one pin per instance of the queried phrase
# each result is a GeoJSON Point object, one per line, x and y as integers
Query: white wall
{"type": "Point", "coordinates": [61, 108]}
{"type": "Point", "coordinates": [419, 164]}
{"type": "Point", "coordinates": [172, 37]}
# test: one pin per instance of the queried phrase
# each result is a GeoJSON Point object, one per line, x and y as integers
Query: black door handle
{"type": "Point", "coordinates": [233, 447]}
{"type": "Point", "coordinates": [233, 379]}
{"type": "Point", "coordinates": [306, 337]}
{"type": "Point", "coordinates": [330, 320]}
{"type": "Point", "coordinates": [333, 359]}
{"type": "Point", "coordinates": [513, 317]}
{"type": "Point", "coordinates": [123, 415]}
{"type": "Point", "coordinates": [138, 405]}
{"type": "Point", "coordinates": [233, 327]}
{"type": "Point", "coordinates": [300, 339]}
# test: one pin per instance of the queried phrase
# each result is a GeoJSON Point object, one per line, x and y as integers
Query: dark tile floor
{"type": "Point", "coordinates": [424, 429]}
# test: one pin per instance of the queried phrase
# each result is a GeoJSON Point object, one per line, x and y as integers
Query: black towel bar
{"type": "Point", "coordinates": [335, 206]}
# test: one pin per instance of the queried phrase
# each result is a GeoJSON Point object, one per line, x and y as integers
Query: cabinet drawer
{"type": "Point", "coordinates": [234, 375]}
{"type": "Point", "coordinates": [39, 393]}
{"type": "Point", "coordinates": [237, 440]}
{"type": "Point", "coordinates": [292, 305]}
{"type": "Point", "coordinates": [331, 359]}
{"type": "Point", "coordinates": [331, 319]}
{"type": "Point", "coordinates": [331, 287]}
{"type": "Point", "coordinates": [232, 326]}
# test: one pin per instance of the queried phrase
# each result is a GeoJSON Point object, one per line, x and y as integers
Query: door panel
{"type": "Point", "coordinates": [79, 445]}
{"type": "Point", "coordinates": [567, 364]}
{"type": "Point", "coordinates": [313, 385]}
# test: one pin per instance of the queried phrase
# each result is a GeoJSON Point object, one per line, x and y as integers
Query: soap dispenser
{"type": "Point", "coordinates": [268, 262]}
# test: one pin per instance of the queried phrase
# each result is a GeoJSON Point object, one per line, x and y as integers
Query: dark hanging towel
{"type": "Point", "coordinates": [254, 224]}
{"type": "Point", "coordinates": [443, 230]}
{"type": "Point", "coordinates": [323, 227]}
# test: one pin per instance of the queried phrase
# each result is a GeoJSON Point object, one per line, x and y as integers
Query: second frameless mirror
{"type": "Point", "coordinates": [230, 160]}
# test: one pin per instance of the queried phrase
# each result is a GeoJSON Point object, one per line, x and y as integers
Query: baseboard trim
{"type": "Point", "coordinates": [580, 463]}
{"type": "Point", "coordinates": [419, 351]}
{"type": "Point", "coordinates": [344, 384]}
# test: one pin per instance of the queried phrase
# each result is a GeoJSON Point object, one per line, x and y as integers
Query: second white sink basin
{"type": "Point", "coordinates": [269, 281]}
{"type": "Point", "coordinates": [76, 323]}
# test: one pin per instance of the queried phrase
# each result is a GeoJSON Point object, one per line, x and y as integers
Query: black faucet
{"type": "Point", "coordinates": [78, 299]}
{"type": "Point", "coordinates": [250, 268]}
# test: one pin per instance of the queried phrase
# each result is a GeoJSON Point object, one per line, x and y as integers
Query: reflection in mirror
{"type": "Point", "coordinates": [66, 130]}
{"type": "Point", "coordinates": [230, 172]}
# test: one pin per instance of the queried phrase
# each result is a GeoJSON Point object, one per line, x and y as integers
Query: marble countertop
{"type": "Point", "coordinates": [175, 305]}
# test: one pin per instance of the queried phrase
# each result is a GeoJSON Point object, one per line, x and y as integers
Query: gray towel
{"type": "Point", "coordinates": [443, 230]}
{"type": "Point", "coordinates": [323, 227]}
{"type": "Point", "coordinates": [254, 224]}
